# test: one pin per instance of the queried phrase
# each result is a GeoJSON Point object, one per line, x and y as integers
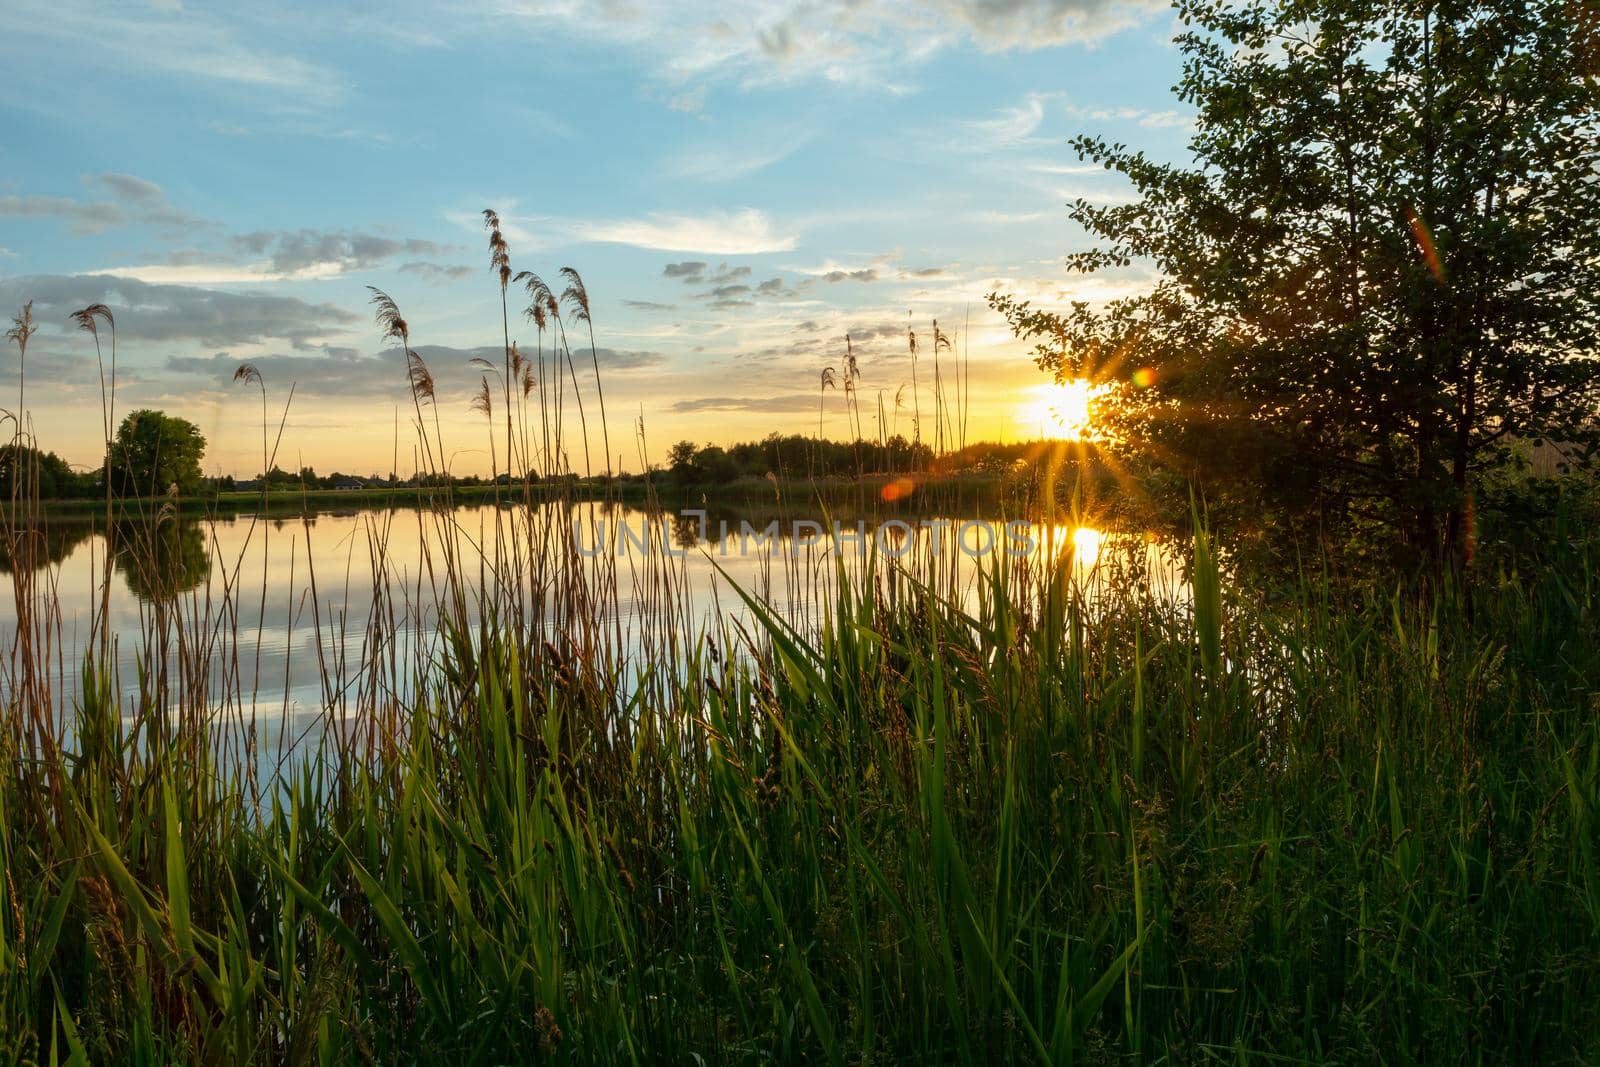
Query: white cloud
{"type": "Point", "coordinates": [1068, 168]}
{"type": "Point", "coordinates": [1148, 119]}
{"type": "Point", "coordinates": [134, 201]}
{"type": "Point", "coordinates": [743, 156]}
{"type": "Point", "coordinates": [169, 39]}
{"type": "Point", "coordinates": [1011, 125]}
{"type": "Point", "coordinates": [206, 274]}
{"type": "Point", "coordinates": [739, 233]}
{"type": "Point", "coordinates": [864, 42]}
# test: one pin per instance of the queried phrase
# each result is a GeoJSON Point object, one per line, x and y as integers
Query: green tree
{"type": "Point", "coordinates": [44, 471]}
{"type": "Point", "coordinates": [154, 452]}
{"type": "Point", "coordinates": [714, 464]}
{"type": "Point", "coordinates": [1378, 270]}
{"type": "Point", "coordinates": [680, 460]}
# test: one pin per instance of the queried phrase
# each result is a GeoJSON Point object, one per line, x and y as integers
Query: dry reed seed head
{"type": "Point", "coordinates": [576, 294]}
{"type": "Point", "coordinates": [483, 401]}
{"type": "Point", "coordinates": [88, 319]}
{"type": "Point", "coordinates": [911, 338]}
{"type": "Point", "coordinates": [541, 301]}
{"type": "Point", "coordinates": [527, 379]}
{"type": "Point", "coordinates": [480, 362]}
{"type": "Point", "coordinates": [535, 286]}
{"type": "Point", "coordinates": [827, 377]}
{"type": "Point", "coordinates": [389, 318]}
{"type": "Point", "coordinates": [421, 377]}
{"type": "Point", "coordinates": [247, 372]}
{"type": "Point", "coordinates": [22, 326]}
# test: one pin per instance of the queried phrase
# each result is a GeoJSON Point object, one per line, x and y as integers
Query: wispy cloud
{"type": "Point", "coordinates": [163, 312]}
{"type": "Point", "coordinates": [131, 201]}
{"type": "Point", "coordinates": [738, 233]}
{"type": "Point", "coordinates": [173, 40]}
{"type": "Point", "coordinates": [787, 402]}
{"type": "Point", "coordinates": [876, 44]}
{"type": "Point", "coordinates": [1011, 125]}
{"type": "Point", "coordinates": [295, 255]}
{"type": "Point", "coordinates": [1159, 120]}
{"type": "Point", "coordinates": [742, 156]}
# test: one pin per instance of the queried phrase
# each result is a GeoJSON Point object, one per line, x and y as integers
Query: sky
{"type": "Point", "coordinates": [740, 183]}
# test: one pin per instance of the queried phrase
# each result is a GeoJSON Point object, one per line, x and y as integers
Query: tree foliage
{"type": "Point", "coordinates": [155, 453]}
{"type": "Point", "coordinates": [1378, 270]}
{"type": "Point", "coordinates": [44, 473]}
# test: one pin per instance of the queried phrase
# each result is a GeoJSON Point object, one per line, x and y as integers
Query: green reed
{"type": "Point", "coordinates": [1336, 825]}
{"type": "Point", "coordinates": [1022, 819]}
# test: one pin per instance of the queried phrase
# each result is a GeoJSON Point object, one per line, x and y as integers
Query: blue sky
{"type": "Point", "coordinates": [740, 185]}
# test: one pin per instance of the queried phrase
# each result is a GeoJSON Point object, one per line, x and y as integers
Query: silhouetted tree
{"type": "Point", "coordinates": [1380, 267]}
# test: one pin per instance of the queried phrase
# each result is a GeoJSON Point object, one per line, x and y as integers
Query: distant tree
{"type": "Point", "coordinates": [1382, 265]}
{"type": "Point", "coordinates": [714, 464]}
{"type": "Point", "coordinates": [154, 452]}
{"type": "Point", "coordinates": [680, 460]}
{"type": "Point", "coordinates": [45, 472]}
{"type": "Point", "coordinates": [681, 454]}
{"type": "Point", "coordinates": [278, 478]}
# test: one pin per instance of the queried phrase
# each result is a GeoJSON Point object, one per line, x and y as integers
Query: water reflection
{"type": "Point", "coordinates": [157, 559]}
{"type": "Point", "coordinates": [306, 605]}
{"type": "Point", "coordinates": [44, 545]}
{"type": "Point", "coordinates": [160, 559]}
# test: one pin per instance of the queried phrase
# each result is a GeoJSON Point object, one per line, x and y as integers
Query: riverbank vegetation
{"type": "Point", "coordinates": [1332, 797]}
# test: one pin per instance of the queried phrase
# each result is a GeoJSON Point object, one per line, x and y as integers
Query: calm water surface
{"type": "Point", "coordinates": [283, 612]}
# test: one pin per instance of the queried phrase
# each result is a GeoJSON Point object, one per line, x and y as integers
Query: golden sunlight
{"type": "Point", "coordinates": [1059, 409]}
{"type": "Point", "coordinates": [1086, 542]}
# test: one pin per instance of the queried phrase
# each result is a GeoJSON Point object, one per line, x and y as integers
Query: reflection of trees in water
{"type": "Point", "coordinates": [685, 531]}
{"type": "Point", "coordinates": [157, 559]}
{"type": "Point", "coordinates": [44, 545]}
{"type": "Point", "coordinates": [160, 559]}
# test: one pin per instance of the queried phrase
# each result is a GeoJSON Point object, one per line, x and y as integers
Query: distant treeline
{"type": "Point", "coordinates": [799, 456]}
{"type": "Point", "coordinates": [785, 457]}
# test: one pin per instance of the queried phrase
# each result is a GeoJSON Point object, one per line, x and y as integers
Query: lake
{"type": "Point", "coordinates": [289, 623]}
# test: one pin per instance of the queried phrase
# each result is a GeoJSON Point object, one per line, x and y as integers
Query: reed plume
{"type": "Point", "coordinates": [22, 328]}
{"type": "Point", "coordinates": [543, 297]}
{"type": "Point", "coordinates": [88, 320]}
{"type": "Point", "coordinates": [395, 328]}
{"type": "Point", "coordinates": [500, 265]}
{"type": "Point", "coordinates": [940, 341]}
{"type": "Point", "coordinates": [916, 394]}
{"type": "Point", "coordinates": [577, 298]}
{"type": "Point", "coordinates": [251, 375]}
{"type": "Point", "coordinates": [421, 377]}
{"type": "Point", "coordinates": [828, 382]}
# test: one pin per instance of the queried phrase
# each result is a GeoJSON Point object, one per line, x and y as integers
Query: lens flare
{"type": "Point", "coordinates": [1060, 409]}
{"type": "Point", "coordinates": [1425, 246]}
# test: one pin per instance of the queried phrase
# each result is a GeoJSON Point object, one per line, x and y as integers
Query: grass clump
{"type": "Point", "coordinates": [1343, 827]}
{"type": "Point", "coordinates": [929, 816]}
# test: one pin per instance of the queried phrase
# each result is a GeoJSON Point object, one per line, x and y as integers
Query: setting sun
{"type": "Point", "coordinates": [1060, 409]}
